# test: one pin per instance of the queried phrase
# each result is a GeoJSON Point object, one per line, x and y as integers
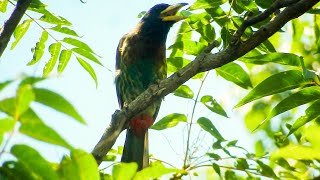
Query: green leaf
{"type": "Point", "coordinates": [64, 58]}
{"type": "Point", "coordinates": [31, 80]}
{"type": "Point", "coordinates": [86, 54]}
{"type": "Point", "coordinates": [89, 69]}
{"type": "Point", "coordinates": [297, 152]}
{"type": "Point", "coordinates": [80, 166]}
{"type": "Point", "coordinates": [156, 170]}
{"type": "Point", "coordinates": [266, 170]}
{"type": "Point", "coordinates": [52, 19]}
{"type": "Point", "coordinates": [3, 5]}
{"type": "Point", "coordinates": [32, 126]}
{"type": "Point", "coordinates": [206, 4]}
{"type": "Point", "coordinates": [312, 112]}
{"type": "Point", "coordinates": [57, 102]}
{"type": "Point", "coordinates": [216, 157]}
{"type": "Point", "coordinates": [299, 98]}
{"type": "Point", "coordinates": [5, 84]}
{"type": "Point", "coordinates": [216, 168]}
{"type": "Point", "coordinates": [20, 30]}
{"type": "Point", "coordinates": [264, 4]}
{"type": "Point", "coordinates": [242, 164]}
{"type": "Point", "coordinates": [236, 74]}
{"type": "Point", "coordinates": [64, 30]}
{"type": "Point", "coordinates": [286, 80]}
{"type": "Point", "coordinates": [54, 50]}
{"type": "Point", "coordinates": [39, 49]}
{"type": "Point", "coordinates": [176, 63]}
{"type": "Point", "coordinates": [169, 121]}
{"type": "Point", "coordinates": [77, 43]}
{"type": "Point", "coordinates": [16, 170]}
{"type": "Point", "coordinates": [189, 47]}
{"type": "Point", "coordinates": [109, 157]}
{"type": "Point", "coordinates": [184, 91]}
{"type": "Point", "coordinates": [6, 125]}
{"type": "Point", "coordinates": [125, 171]}
{"type": "Point", "coordinates": [25, 96]}
{"type": "Point", "coordinates": [207, 125]}
{"type": "Point", "coordinates": [280, 58]}
{"type": "Point", "coordinates": [8, 106]}
{"type": "Point", "coordinates": [213, 105]}
{"type": "Point", "coordinates": [34, 161]}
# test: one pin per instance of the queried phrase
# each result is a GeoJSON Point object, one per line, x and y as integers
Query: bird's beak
{"type": "Point", "coordinates": [169, 14]}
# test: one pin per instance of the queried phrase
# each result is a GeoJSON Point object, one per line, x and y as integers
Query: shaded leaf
{"type": "Point", "coordinates": [242, 164]}
{"type": "Point", "coordinates": [285, 81]}
{"type": "Point", "coordinates": [169, 121]}
{"type": "Point", "coordinates": [57, 102]}
{"type": "Point", "coordinates": [54, 50]}
{"type": "Point", "coordinates": [266, 170]}
{"type": "Point", "coordinates": [184, 91]}
{"type": "Point", "coordinates": [34, 161]}
{"type": "Point", "coordinates": [64, 30]}
{"type": "Point", "coordinates": [207, 125]}
{"type": "Point", "coordinates": [20, 30]}
{"type": "Point", "coordinates": [216, 168]}
{"type": "Point", "coordinates": [213, 105]}
{"type": "Point", "coordinates": [206, 4]}
{"type": "Point", "coordinates": [236, 74]}
{"type": "Point", "coordinates": [33, 126]}
{"type": "Point", "coordinates": [280, 58]}
{"type": "Point", "coordinates": [264, 4]}
{"type": "Point", "coordinates": [39, 49]}
{"type": "Point", "coordinates": [230, 175]}
{"type": "Point", "coordinates": [214, 156]}
{"type": "Point", "coordinates": [89, 69]}
{"type": "Point", "coordinates": [124, 170]}
{"type": "Point", "coordinates": [81, 165]}
{"type": "Point", "coordinates": [156, 170]}
{"type": "Point", "coordinates": [64, 58]}
{"type": "Point", "coordinates": [87, 55]}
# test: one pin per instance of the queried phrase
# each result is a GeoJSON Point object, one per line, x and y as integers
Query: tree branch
{"type": "Point", "coordinates": [11, 24]}
{"type": "Point", "coordinates": [204, 62]}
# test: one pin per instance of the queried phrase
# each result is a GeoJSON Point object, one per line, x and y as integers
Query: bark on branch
{"type": "Point", "coordinates": [11, 24]}
{"type": "Point", "coordinates": [204, 62]}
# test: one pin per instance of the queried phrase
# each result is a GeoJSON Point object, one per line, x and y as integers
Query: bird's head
{"type": "Point", "coordinates": [158, 20]}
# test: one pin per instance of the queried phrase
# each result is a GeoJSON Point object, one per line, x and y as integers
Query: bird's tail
{"type": "Point", "coordinates": [136, 149]}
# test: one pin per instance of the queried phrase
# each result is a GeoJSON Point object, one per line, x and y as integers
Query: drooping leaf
{"type": "Point", "coordinates": [242, 164]}
{"type": "Point", "coordinates": [207, 125]}
{"type": "Point", "coordinates": [5, 84]}
{"type": "Point", "coordinates": [286, 80]}
{"type": "Point", "coordinates": [156, 170]}
{"type": "Point", "coordinates": [86, 54]}
{"type": "Point", "coordinates": [206, 4]}
{"type": "Point", "coordinates": [6, 125]}
{"type": "Point", "coordinates": [20, 30]}
{"type": "Point", "coordinates": [124, 170]}
{"type": "Point", "coordinates": [89, 69]}
{"type": "Point", "coordinates": [54, 50]}
{"type": "Point", "coordinates": [312, 112]}
{"type": "Point", "coordinates": [266, 170]}
{"type": "Point", "coordinates": [169, 121]}
{"type": "Point", "coordinates": [297, 152]}
{"type": "Point", "coordinates": [31, 80]}
{"type": "Point", "coordinates": [34, 161]}
{"type": "Point", "coordinates": [64, 58]}
{"type": "Point", "coordinates": [8, 106]}
{"type": "Point", "coordinates": [280, 58]}
{"type": "Point", "coordinates": [39, 49]}
{"type": "Point", "coordinates": [213, 105]}
{"type": "Point", "coordinates": [216, 168]}
{"type": "Point", "coordinates": [299, 98]}
{"type": "Point", "coordinates": [81, 165]}
{"type": "Point", "coordinates": [53, 19]}
{"type": "Point", "coordinates": [77, 43]}
{"type": "Point", "coordinates": [3, 5]}
{"type": "Point", "coordinates": [184, 91]}
{"type": "Point", "coordinates": [214, 156]}
{"type": "Point", "coordinates": [64, 30]}
{"type": "Point", "coordinates": [25, 96]}
{"type": "Point", "coordinates": [57, 102]}
{"type": "Point", "coordinates": [236, 74]}
{"type": "Point", "coordinates": [33, 126]}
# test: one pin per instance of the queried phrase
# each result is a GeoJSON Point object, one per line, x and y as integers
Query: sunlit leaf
{"type": "Point", "coordinates": [189, 47]}
{"type": "Point", "coordinates": [52, 19]}
{"type": "Point", "coordinates": [230, 175]}
{"type": "Point", "coordinates": [64, 58]}
{"type": "Point", "coordinates": [214, 156]}
{"type": "Point", "coordinates": [109, 157]}
{"type": "Point", "coordinates": [86, 54]}
{"type": "Point", "coordinates": [280, 58]}
{"type": "Point", "coordinates": [156, 170]}
{"type": "Point", "coordinates": [184, 91]}
{"type": "Point", "coordinates": [236, 74]}
{"type": "Point", "coordinates": [207, 125]}
{"type": "Point", "coordinates": [5, 84]}
{"type": "Point", "coordinates": [285, 81]}
{"type": "Point", "coordinates": [31, 80]}
{"type": "Point", "coordinates": [3, 5]}
{"type": "Point", "coordinates": [16, 170]}
{"type": "Point", "coordinates": [6, 124]}
{"type": "Point", "coordinates": [213, 105]}
{"type": "Point", "coordinates": [312, 112]}
{"type": "Point", "coordinates": [77, 43]}
{"type": "Point", "coordinates": [81, 165]}
{"type": "Point", "coordinates": [65, 30]}
{"type": "Point", "coordinates": [39, 49]}
{"type": "Point", "coordinates": [20, 30]}
{"type": "Point", "coordinates": [33, 126]}
{"type": "Point", "coordinates": [89, 69]}
{"type": "Point", "coordinates": [8, 106]}
{"type": "Point", "coordinates": [54, 50]}
{"type": "Point", "coordinates": [57, 102]}
{"type": "Point", "coordinates": [205, 4]}
{"type": "Point", "coordinates": [34, 161]}
{"type": "Point", "coordinates": [312, 134]}
{"type": "Point", "coordinates": [219, 15]}
{"type": "Point", "coordinates": [25, 96]}
{"type": "Point", "coordinates": [169, 121]}
{"type": "Point", "coordinates": [124, 170]}
{"type": "Point", "coordinates": [297, 152]}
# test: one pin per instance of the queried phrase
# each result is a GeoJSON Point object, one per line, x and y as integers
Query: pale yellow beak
{"type": "Point", "coordinates": [169, 14]}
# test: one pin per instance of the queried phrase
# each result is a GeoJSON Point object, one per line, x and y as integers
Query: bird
{"type": "Point", "coordinates": [141, 62]}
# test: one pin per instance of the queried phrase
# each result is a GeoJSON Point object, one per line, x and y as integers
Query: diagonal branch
{"type": "Point", "coordinates": [204, 62]}
{"type": "Point", "coordinates": [11, 24]}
